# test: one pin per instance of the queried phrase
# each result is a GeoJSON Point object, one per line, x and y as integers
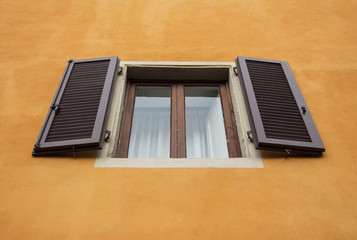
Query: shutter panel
{"type": "Point", "coordinates": [77, 118]}
{"type": "Point", "coordinates": [279, 117]}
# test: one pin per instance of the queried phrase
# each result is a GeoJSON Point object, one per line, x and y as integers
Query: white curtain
{"type": "Point", "coordinates": [150, 134]}
{"type": "Point", "coordinates": [196, 134]}
{"type": "Point", "coordinates": [205, 131]}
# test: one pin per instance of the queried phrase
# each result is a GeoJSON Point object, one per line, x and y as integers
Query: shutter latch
{"type": "Point", "coordinates": [250, 135]}
{"type": "Point", "coordinates": [55, 107]}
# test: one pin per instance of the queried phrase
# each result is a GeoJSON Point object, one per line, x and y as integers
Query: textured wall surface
{"type": "Point", "coordinates": [66, 198]}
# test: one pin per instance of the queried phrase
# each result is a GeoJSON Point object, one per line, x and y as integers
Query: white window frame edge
{"type": "Point", "coordinates": [251, 157]}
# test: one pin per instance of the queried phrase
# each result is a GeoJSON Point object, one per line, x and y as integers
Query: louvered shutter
{"type": "Point", "coordinates": [279, 117]}
{"type": "Point", "coordinates": [77, 118]}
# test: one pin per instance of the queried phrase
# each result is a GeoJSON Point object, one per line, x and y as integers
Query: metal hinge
{"type": "Point", "coordinates": [235, 70]}
{"type": "Point", "coordinates": [107, 135]}
{"type": "Point", "coordinates": [303, 110]}
{"type": "Point", "coordinates": [74, 153]}
{"type": "Point", "coordinates": [120, 70]}
{"type": "Point", "coordinates": [287, 153]}
{"type": "Point", "coordinates": [55, 107]}
{"type": "Point", "coordinates": [250, 135]}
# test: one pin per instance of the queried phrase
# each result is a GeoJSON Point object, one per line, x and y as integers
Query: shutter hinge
{"type": "Point", "coordinates": [287, 153]}
{"type": "Point", "coordinates": [250, 135]}
{"type": "Point", "coordinates": [235, 70]}
{"type": "Point", "coordinates": [107, 135]}
{"type": "Point", "coordinates": [120, 70]}
{"type": "Point", "coordinates": [55, 107]}
{"type": "Point", "coordinates": [74, 153]}
{"type": "Point", "coordinates": [303, 110]}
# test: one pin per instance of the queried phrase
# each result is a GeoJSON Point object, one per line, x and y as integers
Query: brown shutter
{"type": "Point", "coordinates": [278, 114]}
{"type": "Point", "coordinates": [77, 118]}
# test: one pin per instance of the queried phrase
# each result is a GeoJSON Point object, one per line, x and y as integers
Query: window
{"type": "Point", "coordinates": [166, 118]}
{"type": "Point", "coordinates": [160, 74]}
{"type": "Point", "coordinates": [193, 106]}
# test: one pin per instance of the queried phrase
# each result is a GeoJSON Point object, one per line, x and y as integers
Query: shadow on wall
{"type": "Point", "coordinates": [70, 156]}
{"type": "Point", "coordinates": [282, 155]}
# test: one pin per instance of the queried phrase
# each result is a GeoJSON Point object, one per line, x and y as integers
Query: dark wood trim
{"type": "Point", "coordinates": [181, 122]}
{"type": "Point", "coordinates": [154, 83]}
{"type": "Point", "coordinates": [125, 129]}
{"type": "Point", "coordinates": [229, 122]}
{"type": "Point", "coordinates": [173, 73]}
{"type": "Point", "coordinates": [173, 123]}
{"type": "Point", "coordinates": [178, 121]}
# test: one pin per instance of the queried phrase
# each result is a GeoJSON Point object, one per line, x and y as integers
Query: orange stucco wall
{"type": "Point", "coordinates": [66, 198]}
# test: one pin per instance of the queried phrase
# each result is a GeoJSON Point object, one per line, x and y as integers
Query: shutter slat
{"type": "Point", "coordinates": [76, 103]}
{"type": "Point", "coordinates": [70, 121]}
{"type": "Point", "coordinates": [65, 130]}
{"type": "Point", "coordinates": [78, 117]}
{"type": "Point", "coordinates": [84, 91]}
{"type": "Point", "coordinates": [83, 99]}
{"type": "Point", "coordinates": [85, 84]}
{"type": "Point", "coordinates": [84, 112]}
{"type": "Point", "coordinates": [79, 98]}
{"type": "Point", "coordinates": [286, 119]}
{"type": "Point", "coordinates": [92, 73]}
{"type": "Point", "coordinates": [69, 125]}
{"type": "Point", "coordinates": [285, 126]}
{"type": "Point", "coordinates": [283, 105]}
{"type": "Point", "coordinates": [275, 102]}
{"type": "Point", "coordinates": [281, 113]}
{"type": "Point", "coordinates": [275, 92]}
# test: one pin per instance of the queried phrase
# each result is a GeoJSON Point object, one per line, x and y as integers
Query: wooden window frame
{"type": "Point", "coordinates": [177, 116]}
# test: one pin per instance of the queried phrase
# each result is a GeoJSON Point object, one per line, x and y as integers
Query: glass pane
{"type": "Point", "coordinates": [205, 131]}
{"type": "Point", "coordinates": [150, 131]}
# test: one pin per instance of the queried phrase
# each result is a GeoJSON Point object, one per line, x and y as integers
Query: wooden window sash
{"type": "Point", "coordinates": [177, 119]}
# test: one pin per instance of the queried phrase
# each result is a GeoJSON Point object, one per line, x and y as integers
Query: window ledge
{"type": "Point", "coordinates": [179, 163]}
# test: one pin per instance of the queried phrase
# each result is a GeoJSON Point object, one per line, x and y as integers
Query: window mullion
{"type": "Point", "coordinates": [181, 124]}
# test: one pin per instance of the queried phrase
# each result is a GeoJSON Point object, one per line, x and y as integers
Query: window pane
{"type": "Point", "coordinates": [150, 131]}
{"type": "Point", "coordinates": [205, 131]}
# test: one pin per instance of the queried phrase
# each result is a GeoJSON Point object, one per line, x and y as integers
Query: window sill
{"type": "Point", "coordinates": [178, 163]}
